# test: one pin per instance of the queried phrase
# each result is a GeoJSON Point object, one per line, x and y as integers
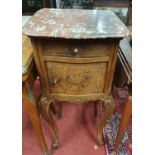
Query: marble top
{"type": "Point", "coordinates": [27, 51]}
{"type": "Point", "coordinates": [27, 54]}
{"type": "Point", "coordinates": [75, 23]}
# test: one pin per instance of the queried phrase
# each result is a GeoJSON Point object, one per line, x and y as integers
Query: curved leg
{"type": "Point", "coordinates": [109, 108]}
{"type": "Point", "coordinates": [30, 104]}
{"type": "Point", "coordinates": [45, 110]}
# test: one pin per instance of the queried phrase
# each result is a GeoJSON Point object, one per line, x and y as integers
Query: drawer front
{"type": "Point", "coordinates": [76, 79]}
{"type": "Point", "coordinates": [76, 48]}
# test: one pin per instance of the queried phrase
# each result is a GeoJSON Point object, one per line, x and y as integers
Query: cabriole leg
{"type": "Point", "coordinates": [46, 112]}
{"type": "Point", "coordinates": [109, 105]}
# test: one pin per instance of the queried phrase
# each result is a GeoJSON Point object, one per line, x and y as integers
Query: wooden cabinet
{"type": "Point", "coordinates": [29, 75]}
{"type": "Point", "coordinates": [122, 8]}
{"type": "Point", "coordinates": [75, 57]}
{"type": "Point", "coordinates": [31, 6]}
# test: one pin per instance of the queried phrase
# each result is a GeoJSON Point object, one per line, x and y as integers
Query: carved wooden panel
{"type": "Point", "coordinates": [76, 48]}
{"type": "Point", "coordinates": [76, 79]}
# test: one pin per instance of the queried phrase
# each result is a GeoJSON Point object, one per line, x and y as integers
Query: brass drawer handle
{"type": "Point", "coordinates": [76, 50]}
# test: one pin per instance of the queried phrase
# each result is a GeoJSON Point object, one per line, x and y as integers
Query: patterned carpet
{"type": "Point", "coordinates": [111, 128]}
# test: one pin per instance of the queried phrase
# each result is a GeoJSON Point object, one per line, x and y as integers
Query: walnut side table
{"type": "Point", "coordinates": [29, 74]}
{"type": "Point", "coordinates": [75, 53]}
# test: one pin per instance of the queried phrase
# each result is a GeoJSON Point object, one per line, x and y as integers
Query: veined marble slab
{"type": "Point", "coordinates": [25, 19]}
{"type": "Point", "coordinates": [75, 23]}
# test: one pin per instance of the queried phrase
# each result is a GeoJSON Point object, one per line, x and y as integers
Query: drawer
{"type": "Point", "coordinates": [76, 79]}
{"type": "Point", "coordinates": [75, 48]}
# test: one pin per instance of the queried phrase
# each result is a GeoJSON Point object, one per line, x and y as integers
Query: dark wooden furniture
{"type": "Point", "coordinates": [117, 6]}
{"type": "Point", "coordinates": [29, 7]}
{"type": "Point", "coordinates": [75, 58]}
{"type": "Point", "coordinates": [29, 74]}
{"type": "Point", "coordinates": [123, 72]}
{"type": "Point", "coordinates": [76, 4]}
{"type": "Point", "coordinates": [123, 77]}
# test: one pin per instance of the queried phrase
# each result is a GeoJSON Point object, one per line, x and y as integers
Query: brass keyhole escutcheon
{"type": "Point", "coordinates": [74, 51]}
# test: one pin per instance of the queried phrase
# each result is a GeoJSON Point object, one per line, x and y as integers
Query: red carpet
{"type": "Point", "coordinates": [77, 128]}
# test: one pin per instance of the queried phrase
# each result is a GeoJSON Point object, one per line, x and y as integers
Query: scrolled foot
{"type": "Point", "coordinates": [47, 152]}
{"type": "Point", "coordinates": [55, 145]}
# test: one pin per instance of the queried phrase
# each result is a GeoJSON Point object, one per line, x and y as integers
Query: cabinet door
{"type": "Point", "coordinates": [76, 79]}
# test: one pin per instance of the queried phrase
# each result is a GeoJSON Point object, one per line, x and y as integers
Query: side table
{"type": "Point", "coordinates": [29, 74]}
{"type": "Point", "coordinates": [75, 58]}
